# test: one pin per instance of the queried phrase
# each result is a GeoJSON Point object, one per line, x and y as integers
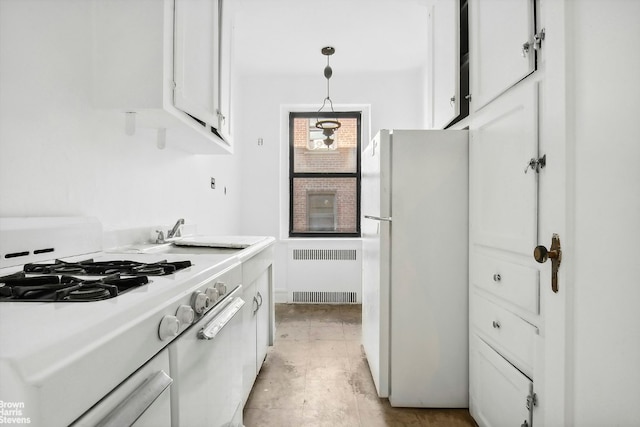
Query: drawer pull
{"type": "Point", "coordinates": [496, 324]}
{"type": "Point", "coordinates": [497, 277]}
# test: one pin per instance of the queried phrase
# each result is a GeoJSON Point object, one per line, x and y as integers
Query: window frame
{"type": "Point", "coordinates": [357, 174]}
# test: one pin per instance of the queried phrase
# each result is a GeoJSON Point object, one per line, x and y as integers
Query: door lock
{"type": "Point", "coordinates": [541, 254]}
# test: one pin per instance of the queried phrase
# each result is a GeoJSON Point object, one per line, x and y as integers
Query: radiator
{"type": "Point", "coordinates": [326, 297]}
{"type": "Point", "coordinates": [325, 254]}
{"type": "Point", "coordinates": [324, 276]}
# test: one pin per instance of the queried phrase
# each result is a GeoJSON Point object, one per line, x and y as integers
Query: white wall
{"type": "Point", "coordinates": [395, 100]}
{"type": "Point", "coordinates": [606, 291]}
{"type": "Point", "coordinates": [58, 156]}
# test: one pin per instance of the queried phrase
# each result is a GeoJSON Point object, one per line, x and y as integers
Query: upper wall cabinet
{"type": "Point", "coordinates": [223, 112]}
{"type": "Point", "coordinates": [503, 44]}
{"type": "Point", "coordinates": [196, 67]}
{"type": "Point", "coordinates": [444, 16]}
{"type": "Point", "coordinates": [159, 62]}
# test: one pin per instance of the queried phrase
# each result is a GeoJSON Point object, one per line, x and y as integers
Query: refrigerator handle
{"type": "Point", "coordinates": [378, 218]}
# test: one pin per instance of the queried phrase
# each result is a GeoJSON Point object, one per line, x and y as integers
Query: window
{"type": "Point", "coordinates": [324, 180]}
{"type": "Point", "coordinates": [321, 208]}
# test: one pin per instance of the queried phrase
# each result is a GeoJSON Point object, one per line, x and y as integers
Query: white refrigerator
{"type": "Point", "coordinates": [415, 264]}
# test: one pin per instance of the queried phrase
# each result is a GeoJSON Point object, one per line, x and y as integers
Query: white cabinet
{"type": "Point", "coordinates": [504, 279]}
{"type": "Point", "coordinates": [516, 283]}
{"type": "Point", "coordinates": [513, 337]}
{"type": "Point", "coordinates": [258, 315]}
{"type": "Point", "coordinates": [263, 317]}
{"type": "Point", "coordinates": [225, 73]}
{"type": "Point", "coordinates": [503, 195]}
{"type": "Point", "coordinates": [196, 60]}
{"type": "Point", "coordinates": [445, 24]}
{"type": "Point", "coordinates": [158, 63]}
{"type": "Point", "coordinates": [501, 46]}
{"type": "Point", "coordinates": [499, 395]}
{"type": "Point", "coordinates": [203, 62]}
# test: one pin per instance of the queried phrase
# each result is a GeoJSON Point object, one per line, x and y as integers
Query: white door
{"type": "Point", "coordinates": [445, 22]}
{"type": "Point", "coordinates": [376, 259]}
{"type": "Point", "coordinates": [196, 59]}
{"type": "Point", "coordinates": [499, 32]}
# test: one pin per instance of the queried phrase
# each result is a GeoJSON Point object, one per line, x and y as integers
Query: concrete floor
{"type": "Point", "coordinates": [317, 375]}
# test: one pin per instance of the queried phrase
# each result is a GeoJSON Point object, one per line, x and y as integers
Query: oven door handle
{"type": "Point", "coordinates": [137, 402]}
{"type": "Point", "coordinates": [215, 326]}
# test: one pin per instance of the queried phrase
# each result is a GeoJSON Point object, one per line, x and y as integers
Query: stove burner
{"type": "Point", "coordinates": [58, 281]}
{"type": "Point", "coordinates": [91, 267]}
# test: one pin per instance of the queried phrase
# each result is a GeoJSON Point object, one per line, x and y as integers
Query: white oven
{"type": "Point", "coordinates": [195, 381]}
{"type": "Point", "coordinates": [207, 368]}
{"type": "Point", "coordinates": [142, 400]}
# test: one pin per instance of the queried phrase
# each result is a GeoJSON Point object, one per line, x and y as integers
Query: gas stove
{"type": "Point", "coordinates": [81, 281]}
{"type": "Point", "coordinates": [76, 322]}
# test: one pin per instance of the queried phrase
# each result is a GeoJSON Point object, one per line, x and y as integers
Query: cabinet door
{"type": "Point", "coordinates": [503, 197]}
{"type": "Point", "coordinates": [263, 317]}
{"type": "Point", "coordinates": [249, 316]}
{"type": "Point", "coordinates": [498, 31]}
{"type": "Point", "coordinates": [498, 391]}
{"type": "Point", "coordinates": [445, 21]}
{"type": "Point", "coordinates": [196, 68]}
{"type": "Point", "coordinates": [225, 73]}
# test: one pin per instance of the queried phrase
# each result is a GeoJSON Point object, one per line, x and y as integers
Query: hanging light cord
{"type": "Point", "coordinates": [327, 73]}
{"type": "Point", "coordinates": [327, 125]}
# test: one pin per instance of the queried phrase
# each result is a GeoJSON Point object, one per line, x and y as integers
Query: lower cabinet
{"type": "Point", "coordinates": [504, 289]}
{"type": "Point", "coordinates": [258, 315]}
{"type": "Point", "coordinates": [500, 395]}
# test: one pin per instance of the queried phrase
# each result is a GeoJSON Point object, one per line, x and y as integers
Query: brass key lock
{"type": "Point", "coordinates": [541, 254]}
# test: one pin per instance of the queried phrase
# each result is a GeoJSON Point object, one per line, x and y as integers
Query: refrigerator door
{"type": "Point", "coordinates": [429, 292]}
{"type": "Point", "coordinates": [375, 269]}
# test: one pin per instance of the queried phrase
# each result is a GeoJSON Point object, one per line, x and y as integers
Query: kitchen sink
{"type": "Point", "coordinates": [196, 245]}
{"type": "Point", "coordinates": [171, 248]}
{"type": "Point", "coordinates": [194, 250]}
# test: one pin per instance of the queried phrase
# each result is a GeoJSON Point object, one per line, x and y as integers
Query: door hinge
{"type": "Point", "coordinates": [537, 39]}
{"type": "Point", "coordinates": [536, 164]}
{"type": "Point", "coordinates": [532, 400]}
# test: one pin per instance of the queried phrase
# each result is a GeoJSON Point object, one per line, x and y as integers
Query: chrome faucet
{"type": "Point", "coordinates": [175, 231]}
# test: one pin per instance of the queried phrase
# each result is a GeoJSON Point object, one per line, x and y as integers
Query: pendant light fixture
{"type": "Point", "coordinates": [327, 126]}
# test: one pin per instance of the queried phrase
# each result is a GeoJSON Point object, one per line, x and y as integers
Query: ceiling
{"type": "Point", "coordinates": [286, 36]}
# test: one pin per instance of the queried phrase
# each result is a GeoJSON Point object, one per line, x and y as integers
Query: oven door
{"type": "Point", "coordinates": [142, 400]}
{"type": "Point", "coordinates": [206, 363]}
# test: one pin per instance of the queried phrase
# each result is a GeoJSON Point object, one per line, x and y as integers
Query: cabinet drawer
{"type": "Point", "coordinates": [497, 391]}
{"type": "Point", "coordinates": [510, 335]}
{"type": "Point", "coordinates": [517, 284]}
